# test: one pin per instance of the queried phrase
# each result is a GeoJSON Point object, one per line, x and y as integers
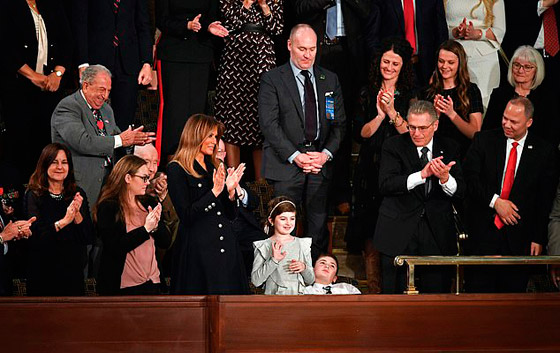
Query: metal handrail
{"type": "Point", "coordinates": [459, 261]}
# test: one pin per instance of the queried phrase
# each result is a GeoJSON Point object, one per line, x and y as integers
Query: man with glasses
{"type": "Point", "coordinates": [419, 178]}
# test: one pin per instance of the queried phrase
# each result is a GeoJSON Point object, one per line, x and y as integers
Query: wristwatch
{"type": "Point", "coordinates": [58, 73]}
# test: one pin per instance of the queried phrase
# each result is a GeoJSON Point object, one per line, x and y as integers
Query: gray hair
{"type": "Point", "coordinates": [528, 108]}
{"type": "Point", "coordinates": [530, 54]}
{"type": "Point", "coordinates": [91, 72]}
{"type": "Point", "coordinates": [422, 107]}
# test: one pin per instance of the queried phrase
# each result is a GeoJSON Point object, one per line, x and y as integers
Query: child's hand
{"type": "Point", "coordinates": [297, 266]}
{"type": "Point", "coordinates": [277, 252]}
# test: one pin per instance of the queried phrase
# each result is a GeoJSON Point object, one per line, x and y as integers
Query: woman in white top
{"type": "Point", "coordinates": [480, 26]}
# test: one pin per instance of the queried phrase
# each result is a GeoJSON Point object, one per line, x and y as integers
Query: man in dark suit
{"type": "Point", "coordinates": [419, 178]}
{"type": "Point", "coordinates": [387, 18]}
{"type": "Point", "coordinates": [339, 25]}
{"type": "Point", "coordinates": [511, 176]}
{"type": "Point", "coordinates": [117, 35]}
{"type": "Point", "coordinates": [302, 119]}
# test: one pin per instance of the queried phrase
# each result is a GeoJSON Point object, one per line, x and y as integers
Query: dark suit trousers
{"type": "Point", "coordinates": [310, 191]}
{"type": "Point", "coordinates": [185, 89]}
{"type": "Point", "coordinates": [124, 94]}
{"type": "Point", "coordinates": [495, 279]}
{"type": "Point", "coordinates": [430, 279]}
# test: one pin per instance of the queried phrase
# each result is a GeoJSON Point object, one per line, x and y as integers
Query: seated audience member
{"type": "Point", "coordinates": [246, 227]}
{"type": "Point", "coordinates": [57, 250]}
{"type": "Point", "coordinates": [86, 124]}
{"type": "Point", "coordinates": [511, 176]}
{"type": "Point", "coordinates": [158, 189]}
{"type": "Point", "coordinates": [420, 178]}
{"type": "Point", "coordinates": [326, 269]}
{"type": "Point", "coordinates": [457, 100]}
{"type": "Point", "coordinates": [282, 262]}
{"type": "Point", "coordinates": [554, 238]}
{"type": "Point", "coordinates": [526, 72]}
{"type": "Point", "coordinates": [130, 225]}
{"type": "Point", "coordinates": [10, 231]}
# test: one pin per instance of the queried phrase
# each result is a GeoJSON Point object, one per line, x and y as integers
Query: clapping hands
{"type": "Point", "coordinates": [153, 217]}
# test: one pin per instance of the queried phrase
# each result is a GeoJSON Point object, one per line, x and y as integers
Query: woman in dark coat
{"type": "Point", "coordinates": [130, 225]}
{"type": "Point", "coordinates": [63, 228]}
{"type": "Point", "coordinates": [207, 256]}
{"type": "Point", "coordinates": [36, 40]}
{"type": "Point", "coordinates": [186, 50]}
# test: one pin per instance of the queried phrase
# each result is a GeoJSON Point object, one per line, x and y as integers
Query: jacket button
{"type": "Point", "coordinates": [220, 225]}
{"type": "Point", "coordinates": [219, 213]}
{"type": "Point", "coordinates": [25, 46]}
{"type": "Point", "coordinates": [213, 204]}
{"type": "Point", "coordinates": [209, 207]}
{"type": "Point", "coordinates": [199, 185]}
{"type": "Point", "coordinates": [206, 209]}
{"type": "Point", "coordinates": [222, 250]}
{"type": "Point", "coordinates": [221, 238]}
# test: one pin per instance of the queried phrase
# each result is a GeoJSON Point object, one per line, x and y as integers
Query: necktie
{"type": "Point", "coordinates": [310, 108]}
{"type": "Point", "coordinates": [408, 9]}
{"type": "Point", "coordinates": [508, 180]}
{"type": "Point", "coordinates": [327, 289]}
{"type": "Point", "coordinates": [424, 160]}
{"type": "Point", "coordinates": [551, 43]}
{"type": "Point", "coordinates": [101, 131]}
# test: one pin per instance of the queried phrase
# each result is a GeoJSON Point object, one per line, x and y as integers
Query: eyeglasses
{"type": "Point", "coordinates": [517, 66]}
{"type": "Point", "coordinates": [145, 178]}
{"type": "Point", "coordinates": [413, 128]}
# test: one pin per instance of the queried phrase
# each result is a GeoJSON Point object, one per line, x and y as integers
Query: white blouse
{"type": "Point", "coordinates": [41, 33]}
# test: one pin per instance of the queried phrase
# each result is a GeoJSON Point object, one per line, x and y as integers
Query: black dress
{"type": "Point", "coordinates": [207, 256]}
{"type": "Point", "coordinates": [446, 127]}
{"type": "Point", "coordinates": [366, 174]}
{"type": "Point", "coordinates": [117, 242]}
{"type": "Point", "coordinates": [56, 259]}
{"type": "Point", "coordinates": [546, 122]}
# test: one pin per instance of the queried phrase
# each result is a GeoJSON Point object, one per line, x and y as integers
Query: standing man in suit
{"type": "Point", "coordinates": [117, 35]}
{"type": "Point", "coordinates": [419, 178]}
{"type": "Point", "coordinates": [421, 22]}
{"type": "Point", "coordinates": [85, 123]}
{"type": "Point", "coordinates": [302, 119]}
{"type": "Point", "coordinates": [511, 176]}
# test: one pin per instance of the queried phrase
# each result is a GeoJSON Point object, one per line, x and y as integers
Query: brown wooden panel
{"type": "Point", "coordinates": [104, 324]}
{"type": "Point", "coordinates": [386, 323]}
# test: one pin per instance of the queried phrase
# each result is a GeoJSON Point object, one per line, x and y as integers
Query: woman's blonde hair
{"type": "Point", "coordinates": [115, 188]}
{"type": "Point", "coordinates": [196, 130]}
{"type": "Point", "coordinates": [489, 13]}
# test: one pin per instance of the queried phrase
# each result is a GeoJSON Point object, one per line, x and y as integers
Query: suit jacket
{"type": "Point", "coordinates": [532, 191]}
{"type": "Point", "coordinates": [95, 24]}
{"type": "Point", "coordinates": [401, 209]}
{"type": "Point", "coordinates": [354, 14]}
{"type": "Point", "coordinates": [386, 19]}
{"type": "Point", "coordinates": [73, 124]}
{"type": "Point", "coordinates": [282, 120]}
{"type": "Point", "coordinates": [521, 11]}
{"type": "Point", "coordinates": [179, 44]}
{"type": "Point", "coordinates": [21, 38]}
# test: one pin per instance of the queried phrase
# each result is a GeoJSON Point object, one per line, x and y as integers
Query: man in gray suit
{"type": "Point", "coordinates": [302, 118]}
{"type": "Point", "coordinates": [85, 123]}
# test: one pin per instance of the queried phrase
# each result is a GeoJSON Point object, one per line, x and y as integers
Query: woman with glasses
{"type": "Point", "coordinates": [207, 259]}
{"type": "Point", "coordinates": [525, 75]}
{"type": "Point", "coordinates": [63, 228]}
{"type": "Point", "coordinates": [457, 100]}
{"type": "Point", "coordinates": [382, 115]}
{"type": "Point", "coordinates": [130, 226]}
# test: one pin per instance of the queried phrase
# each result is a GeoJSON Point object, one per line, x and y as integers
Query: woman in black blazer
{"type": "Point", "coordinates": [31, 91]}
{"type": "Point", "coordinates": [186, 51]}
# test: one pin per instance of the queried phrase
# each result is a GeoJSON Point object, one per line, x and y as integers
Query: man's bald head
{"type": "Point", "coordinates": [148, 153]}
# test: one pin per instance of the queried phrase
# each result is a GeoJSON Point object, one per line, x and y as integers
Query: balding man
{"type": "Point", "coordinates": [85, 123]}
{"type": "Point", "coordinates": [511, 175]}
{"type": "Point", "coordinates": [302, 118]}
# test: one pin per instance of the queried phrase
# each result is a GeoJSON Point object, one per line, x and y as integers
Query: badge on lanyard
{"type": "Point", "coordinates": [329, 106]}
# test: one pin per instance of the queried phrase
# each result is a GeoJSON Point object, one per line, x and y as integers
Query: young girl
{"type": "Point", "coordinates": [282, 262]}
